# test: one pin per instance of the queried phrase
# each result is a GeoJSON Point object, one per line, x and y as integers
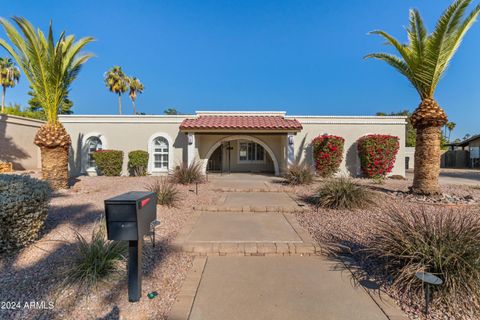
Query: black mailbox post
{"type": "Point", "coordinates": [129, 216]}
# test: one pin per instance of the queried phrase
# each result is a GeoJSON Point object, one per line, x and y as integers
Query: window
{"type": "Point", "coordinates": [250, 151]}
{"type": "Point", "coordinates": [160, 154]}
{"type": "Point", "coordinates": [93, 144]}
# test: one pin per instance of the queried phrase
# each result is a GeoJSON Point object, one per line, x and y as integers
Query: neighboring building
{"type": "Point", "coordinates": [409, 158]}
{"type": "Point", "coordinates": [224, 141]}
{"type": "Point", "coordinates": [464, 154]}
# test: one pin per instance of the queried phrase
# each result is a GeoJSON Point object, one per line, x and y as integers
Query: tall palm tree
{"type": "Point", "coordinates": [450, 126]}
{"type": "Point", "coordinates": [423, 61]}
{"type": "Point", "coordinates": [50, 66]}
{"type": "Point", "coordinates": [9, 76]}
{"type": "Point", "coordinates": [116, 82]}
{"type": "Point", "coordinates": [135, 87]}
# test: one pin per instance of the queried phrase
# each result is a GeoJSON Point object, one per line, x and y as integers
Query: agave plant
{"type": "Point", "coordinates": [116, 82]}
{"type": "Point", "coordinates": [9, 76]}
{"type": "Point", "coordinates": [423, 61]}
{"type": "Point", "coordinates": [135, 87]}
{"type": "Point", "coordinates": [50, 66]}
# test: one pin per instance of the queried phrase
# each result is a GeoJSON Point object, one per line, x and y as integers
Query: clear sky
{"type": "Point", "coordinates": [303, 57]}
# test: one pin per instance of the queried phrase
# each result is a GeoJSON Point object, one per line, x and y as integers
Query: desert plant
{"type": "Point", "coordinates": [328, 154]}
{"type": "Point", "coordinates": [377, 154]}
{"type": "Point", "coordinates": [166, 192]}
{"type": "Point", "coordinates": [50, 66]}
{"type": "Point", "coordinates": [299, 174]}
{"type": "Point", "coordinates": [109, 162]}
{"type": "Point", "coordinates": [442, 242]}
{"type": "Point", "coordinates": [96, 260]}
{"type": "Point", "coordinates": [23, 210]}
{"type": "Point", "coordinates": [9, 76]}
{"type": "Point", "coordinates": [116, 82]}
{"type": "Point", "coordinates": [138, 162]}
{"type": "Point", "coordinates": [343, 193]}
{"type": "Point", "coordinates": [135, 87]}
{"type": "Point", "coordinates": [188, 173]}
{"type": "Point", "coordinates": [423, 61]}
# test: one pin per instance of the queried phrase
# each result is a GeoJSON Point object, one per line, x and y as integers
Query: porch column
{"type": "Point", "coordinates": [191, 148]}
{"type": "Point", "coordinates": [290, 150]}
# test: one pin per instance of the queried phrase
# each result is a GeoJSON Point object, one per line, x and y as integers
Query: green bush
{"type": "Point", "coordinates": [299, 174]}
{"type": "Point", "coordinates": [137, 162]}
{"type": "Point", "coordinates": [109, 162]}
{"type": "Point", "coordinates": [187, 174]}
{"type": "Point", "coordinates": [23, 210]}
{"type": "Point", "coordinates": [96, 260]}
{"type": "Point", "coordinates": [443, 242]}
{"type": "Point", "coordinates": [343, 193]}
{"type": "Point", "coordinates": [166, 192]}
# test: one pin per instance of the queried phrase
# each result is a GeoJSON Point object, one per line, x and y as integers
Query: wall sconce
{"type": "Point", "coordinates": [190, 138]}
{"type": "Point", "coordinates": [290, 140]}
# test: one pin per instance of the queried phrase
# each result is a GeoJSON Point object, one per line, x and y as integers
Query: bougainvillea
{"type": "Point", "coordinates": [328, 154]}
{"type": "Point", "coordinates": [377, 154]}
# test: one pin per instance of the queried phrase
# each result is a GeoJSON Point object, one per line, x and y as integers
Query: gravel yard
{"type": "Point", "coordinates": [352, 229]}
{"type": "Point", "coordinates": [34, 273]}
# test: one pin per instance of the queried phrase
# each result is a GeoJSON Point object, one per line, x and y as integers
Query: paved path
{"type": "Point", "coordinates": [264, 265]}
{"type": "Point", "coordinates": [455, 176]}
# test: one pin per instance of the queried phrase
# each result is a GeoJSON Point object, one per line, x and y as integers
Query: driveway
{"type": "Point", "coordinates": [455, 176]}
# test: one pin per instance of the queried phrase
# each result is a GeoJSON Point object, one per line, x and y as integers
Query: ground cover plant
{"type": "Point", "coordinates": [299, 174]}
{"type": "Point", "coordinates": [328, 154]}
{"type": "Point", "coordinates": [342, 193]}
{"type": "Point", "coordinates": [109, 162]}
{"type": "Point", "coordinates": [377, 154]}
{"type": "Point", "coordinates": [166, 192]}
{"type": "Point", "coordinates": [188, 173]}
{"type": "Point", "coordinates": [138, 162]}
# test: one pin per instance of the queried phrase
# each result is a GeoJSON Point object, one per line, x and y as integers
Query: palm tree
{"type": "Point", "coordinates": [50, 66]}
{"type": "Point", "coordinates": [9, 76]}
{"type": "Point", "coordinates": [135, 87]}
{"type": "Point", "coordinates": [116, 82]}
{"type": "Point", "coordinates": [423, 61]}
{"type": "Point", "coordinates": [450, 126]}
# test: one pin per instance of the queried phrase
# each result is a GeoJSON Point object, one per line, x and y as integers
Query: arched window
{"type": "Point", "coordinates": [93, 144]}
{"type": "Point", "coordinates": [160, 154]}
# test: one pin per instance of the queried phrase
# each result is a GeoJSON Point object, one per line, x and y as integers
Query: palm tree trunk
{"type": "Point", "coordinates": [119, 104]}
{"type": "Point", "coordinates": [3, 99]}
{"type": "Point", "coordinates": [427, 161]}
{"type": "Point", "coordinates": [55, 166]}
{"type": "Point", "coordinates": [134, 107]}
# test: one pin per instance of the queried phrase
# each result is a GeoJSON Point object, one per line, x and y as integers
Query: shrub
{"type": "Point", "coordinates": [187, 174]}
{"type": "Point", "coordinates": [138, 162]}
{"type": "Point", "coordinates": [109, 162]}
{"type": "Point", "coordinates": [377, 154]}
{"type": "Point", "coordinates": [23, 210]}
{"type": "Point", "coordinates": [442, 242]}
{"type": "Point", "coordinates": [96, 260]}
{"type": "Point", "coordinates": [299, 174]}
{"type": "Point", "coordinates": [328, 154]}
{"type": "Point", "coordinates": [342, 193]}
{"type": "Point", "coordinates": [167, 193]}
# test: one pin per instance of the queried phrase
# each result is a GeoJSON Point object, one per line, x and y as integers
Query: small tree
{"type": "Point", "coordinates": [328, 154]}
{"type": "Point", "coordinates": [116, 82]}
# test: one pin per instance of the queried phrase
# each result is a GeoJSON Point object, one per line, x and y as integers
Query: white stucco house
{"type": "Point", "coordinates": [262, 141]}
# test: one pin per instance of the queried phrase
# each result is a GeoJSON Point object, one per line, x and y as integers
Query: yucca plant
{"type": "Point", "coordinates": [95, 260]}
{"type": "Point", "coordinates": [9, 76]}
{"type": "Point", "coordinates": [298, 174]}
{"type": "Point", "coordinates": [343, 193]}
{"type": "Point", "coordinates": [423, 61]}
{"type": "Point", "coordinates": [50, 66]}
{"type": "Point", "coordinates": [166, 192]}
{"type": "Point", "coordinates": [188, 173]}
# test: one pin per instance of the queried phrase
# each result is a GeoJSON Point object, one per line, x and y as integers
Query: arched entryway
{"type": "Point", "coordinates": [241, 139]}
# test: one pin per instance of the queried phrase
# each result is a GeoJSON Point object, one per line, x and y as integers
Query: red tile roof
{"type": "Point", "coordinates": [241, 123]}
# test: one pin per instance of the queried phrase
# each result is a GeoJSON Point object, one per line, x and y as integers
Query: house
{"type": "Point", "coordinates": [266, 142]}
{"type": "Point", "coordinates": [464, 154]}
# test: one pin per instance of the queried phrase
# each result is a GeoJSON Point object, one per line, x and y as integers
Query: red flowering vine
{"type": "Point", "coordinates": [328, 154]}
{"type": "Point", "coordinates": [377, 154]}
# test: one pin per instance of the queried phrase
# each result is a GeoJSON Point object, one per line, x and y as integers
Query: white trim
{"type": "Point", "coordinates": [249, 161]}
{"type": "Point", "coordinates": [84, 152]}
{"type": "Point", "coordinates": [150, 152]}
{"type": "Point", "coordinates": [242, 113]}
{"type": "Point", "coordinates": [242, 137]}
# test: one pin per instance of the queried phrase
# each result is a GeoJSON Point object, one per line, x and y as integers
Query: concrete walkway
{"type": "Point", "coordinates": [264, 265]}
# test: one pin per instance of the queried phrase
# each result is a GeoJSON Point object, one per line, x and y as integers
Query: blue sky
{"type": "Point", "coordinates": [304, 57]}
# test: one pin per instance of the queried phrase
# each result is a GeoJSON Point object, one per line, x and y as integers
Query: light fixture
{"type": "Point", "coordinates": [190, 139]}
{"type": "Point", "coordinates": [290, 140]}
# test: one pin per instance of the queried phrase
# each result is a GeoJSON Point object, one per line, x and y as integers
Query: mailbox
{"type": "Point", "coordinates": [129, 217]}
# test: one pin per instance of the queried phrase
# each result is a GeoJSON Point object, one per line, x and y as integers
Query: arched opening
{"type": "Point", "coordinates": [241, 154]}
